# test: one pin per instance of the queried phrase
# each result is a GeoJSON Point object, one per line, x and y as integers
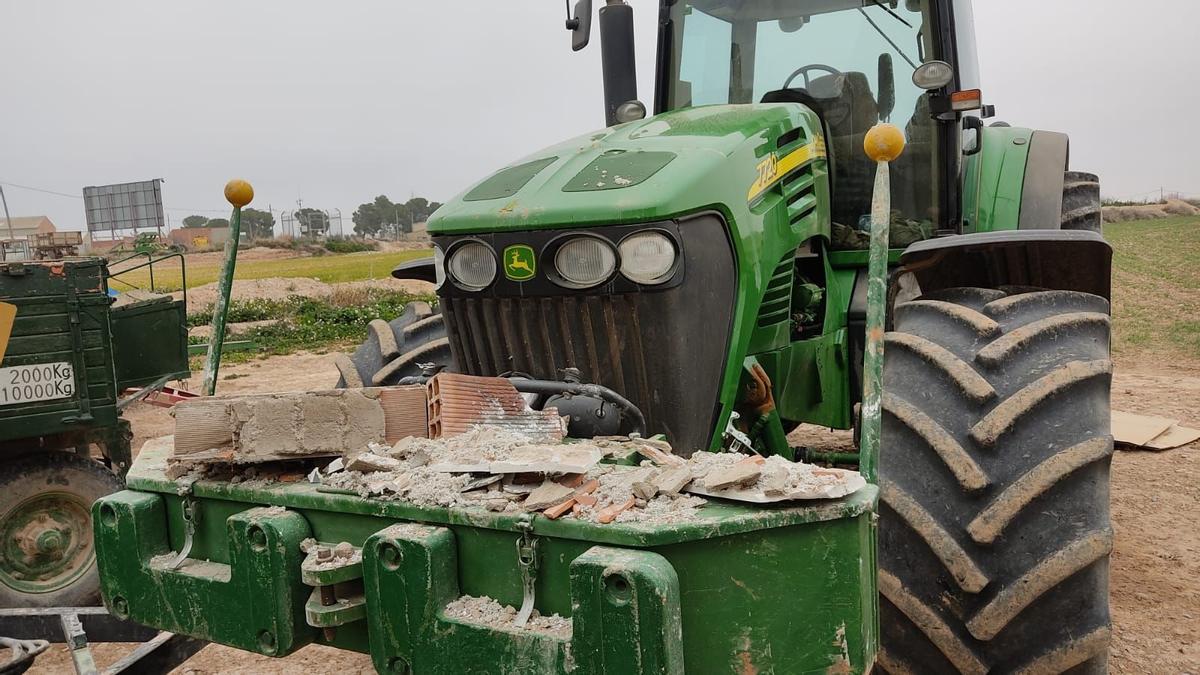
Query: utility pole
{"type": "Point", "coordinates": [7, 219]}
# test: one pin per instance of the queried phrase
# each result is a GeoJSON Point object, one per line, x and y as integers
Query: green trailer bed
{"type": "Point", "coordinates": [736, 589]}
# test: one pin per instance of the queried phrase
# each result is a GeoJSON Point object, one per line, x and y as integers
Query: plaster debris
{"type": "Point", "coordinates": [672, 481]}
{"type": "Point", "coordinates": [367, 462]}
{"type": "Point", "coordinates": [546, 495]}
{"type": "Point", "coordinates": [486, 611]}
{"type": "Point", "coordinates": [803, 481]}
{"type": "Point", "coordinates": [740, 473]}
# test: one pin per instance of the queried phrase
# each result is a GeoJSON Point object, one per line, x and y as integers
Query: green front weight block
{"type": "Point", "coordinates": [733, 588]}
{"type": "Point", "coordinates": [255, 602]}
{"type": "Point", "coordinates": [626, 616]}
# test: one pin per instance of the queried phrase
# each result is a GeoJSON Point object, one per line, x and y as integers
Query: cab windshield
{"type": "Point", "coordinates": [851, 61]}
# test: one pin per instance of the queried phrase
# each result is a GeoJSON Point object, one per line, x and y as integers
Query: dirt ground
{"type": "Point", "coordinates": [1155, 573]}
{"type": "Point", "coordinates": [203, 297]}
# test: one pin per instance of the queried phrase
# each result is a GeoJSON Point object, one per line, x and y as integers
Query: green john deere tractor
{"type": "Point", "coordinates": [709, 264]}
{"type": "Point", "coordinates": [664, 257]}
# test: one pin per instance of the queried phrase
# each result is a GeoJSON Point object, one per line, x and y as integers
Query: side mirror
{"type": "Point", "coordinates": [580, 25]}
{"type": "Point", "coordinates": [887, 87]}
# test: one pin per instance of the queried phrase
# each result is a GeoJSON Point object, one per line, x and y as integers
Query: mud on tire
{"type": "Point", "coordinates": [397, 348]}
{"type": "Point", "coordinates": [994, 531]}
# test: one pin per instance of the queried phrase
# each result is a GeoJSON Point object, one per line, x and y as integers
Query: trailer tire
{"type": "Point", "coordinates": [398, 348]}
{"type": "Point", "coordinates": [1081, 209]}
{"type": "Point", "coordinates": [994, 530]}
{"type": "Point", "coordinates": [47, 555]}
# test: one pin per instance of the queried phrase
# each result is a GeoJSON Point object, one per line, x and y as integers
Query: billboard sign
{"type": "Point", "coordinates": [124, 206]}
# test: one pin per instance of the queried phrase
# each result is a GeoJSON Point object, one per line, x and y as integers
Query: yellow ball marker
{"type": "Point", "coordinates": [884, 143]}
{"type": "Point", "coordinates": [239, 192]}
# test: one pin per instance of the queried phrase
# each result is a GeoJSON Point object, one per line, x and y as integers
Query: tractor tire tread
{"type": "Point", "coordinates": [1081, 209]}
{"type": "Point", "coordinates": [994, 523]}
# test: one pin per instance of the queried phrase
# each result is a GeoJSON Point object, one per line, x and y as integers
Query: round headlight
{"type": "Point", "coordinates": [473, 266]}
{"type": "Point", "coordinates": [583, 262]}
{"type": "Point", "coordinates": [933, 75]}
{"type": "Point", "coordinates": [439, 266]}
{"type": "Point", "coordinates": [647, 258]}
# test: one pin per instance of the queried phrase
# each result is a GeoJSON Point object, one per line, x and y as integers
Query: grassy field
{"type": "Point", "coordinates": [327, 268]}
{"type": "Point", "coordinates": [1156, 288]}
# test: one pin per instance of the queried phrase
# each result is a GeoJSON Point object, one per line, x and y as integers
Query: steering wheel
{"type": "Point", "coordinates": [806, 70]}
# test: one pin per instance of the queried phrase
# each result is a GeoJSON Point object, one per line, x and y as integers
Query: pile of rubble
{"type": "Point", "coordinates": [498, 470]}
{"type": "Point", "coordinates": [473, 442]}
{"type": "Point", "coordinates": [501, 470]}
{"type": "Point", "coordinates": [488, 612]}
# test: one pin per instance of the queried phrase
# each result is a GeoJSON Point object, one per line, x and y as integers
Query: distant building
{"type": "Point", "coordinates": [23, 226]}
{"type": "Point", "coordinates": [198, 238]}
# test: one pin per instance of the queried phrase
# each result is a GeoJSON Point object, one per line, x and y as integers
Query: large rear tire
{"type": "Point", "coordinates": [994, 532]}
{"type": "Point", "coordinates": [1081, 209]}
{"type": "Point", "coordinates": [396, 349]}
{"type": "Point", "coordinates": [47, 558]}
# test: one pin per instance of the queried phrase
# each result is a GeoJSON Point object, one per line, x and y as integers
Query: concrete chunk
{"type": "Point", "coordinates": [742, 473]}
{"type": "Point", "coordinates": [369, 462]}
{"type": "Point", "coordinates": [645, 490]}
{"type": "Point", "coordinates": [271, 427]}
{"type": "Point", "coordinates": [672, 481]}
{"type": "Point", "coordinates": [546, 495]}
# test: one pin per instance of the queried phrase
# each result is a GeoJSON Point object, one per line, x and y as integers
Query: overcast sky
{"type": "Point", "coordinates": [336, 102]}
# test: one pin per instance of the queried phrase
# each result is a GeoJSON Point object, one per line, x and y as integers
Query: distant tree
{"type": "Point", "coordinates": [419, 210]}
{"type": "Point", "coordinates": [380, 217]}
{"type": "Point", "coordinates": [258, 224]}
{"type": "Point", "coordinates": [367, 220]}
{"type": "Point", "coordinates": [385, 218]}
{"type": "Point", "coordinates": [195, 221]}
{"type": "Point", "coordinates": [217, 222]}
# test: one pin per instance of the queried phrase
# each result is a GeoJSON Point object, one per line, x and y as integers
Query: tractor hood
{"type": "Point", "coordinates": [670, 164]}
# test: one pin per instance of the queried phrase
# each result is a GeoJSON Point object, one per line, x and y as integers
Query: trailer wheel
{"type": "Point", "coordinates": [1081, 208]}
{"type": "Point", "coordinates": [47, 558]}
{"type": "Point", "coordinates": [994, 531]}
{"type": "Point", "coordinates": [397, 348]}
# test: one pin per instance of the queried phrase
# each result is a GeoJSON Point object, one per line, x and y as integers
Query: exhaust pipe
{"type": "Point", "coordinates": [617, 57]}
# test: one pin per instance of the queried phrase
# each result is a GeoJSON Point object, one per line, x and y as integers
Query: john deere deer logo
{"type": "Point", "coordinates": [519, 262]}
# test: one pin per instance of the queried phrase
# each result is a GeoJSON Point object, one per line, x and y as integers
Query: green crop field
{"type": "Point", "coordinates": [1156, 288]}
{"type": "Point", "coordinates": [327, 268]}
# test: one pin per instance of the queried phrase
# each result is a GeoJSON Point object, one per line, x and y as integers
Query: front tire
{"type": "Point", "coordinates": [47, 558]}
{"type": "Point", "coordinates": [994, 532]}
{"type": "Point", "coordinates": [396, 349]}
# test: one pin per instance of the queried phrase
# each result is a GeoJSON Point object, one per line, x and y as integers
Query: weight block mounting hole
{"type": "Point", "coordinates": [120, 607]}
{"type": "Point", "coordinates": [258, 539]}
{"type": "Point", "coordinates": [390, 556]}
{"type": "Point", "coordinates": [618, 589]}
{"type": "Point", "coordinates": [266, 642]}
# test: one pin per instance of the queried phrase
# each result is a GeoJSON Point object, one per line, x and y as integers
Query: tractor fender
{"type": "Point", "coordinates": [1015, 181]}
{"type": "Point", "coordinates": [1042, 188]}
{"type": "Point", "coordinates": [1068, 260]}
{"type": "Point", "coordinates": [420, 269]}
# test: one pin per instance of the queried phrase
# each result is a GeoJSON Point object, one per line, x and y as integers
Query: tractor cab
{"type": "Point", "coordinates": [855, 63]}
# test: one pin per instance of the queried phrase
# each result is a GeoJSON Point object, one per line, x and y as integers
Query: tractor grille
{"type": "Point", "coordinates": [601, 336]}
{"type": "Point", "coordinates": [663, 349]}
